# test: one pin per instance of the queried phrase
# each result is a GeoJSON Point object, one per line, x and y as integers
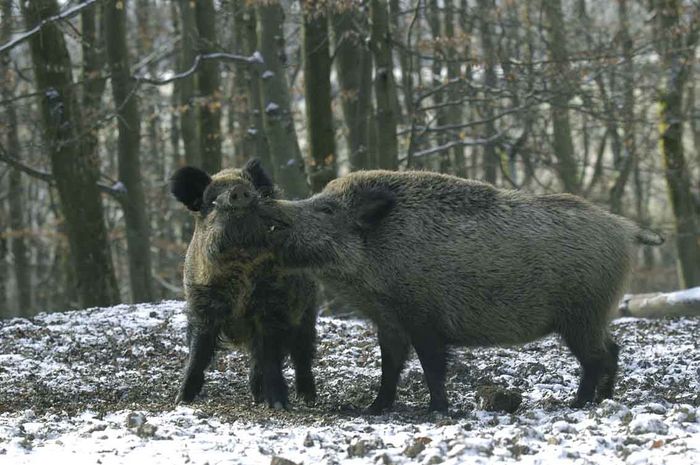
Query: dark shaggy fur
{"type": "Point", "coordinates": [437, 261]}
{"type": "Point", "coordinates": [237, 296]}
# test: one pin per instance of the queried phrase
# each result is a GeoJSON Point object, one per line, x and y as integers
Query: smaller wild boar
{"type": "Point", "coordinates": [238, 297]}
{"type": "Point", "coordinates": [437, 261]}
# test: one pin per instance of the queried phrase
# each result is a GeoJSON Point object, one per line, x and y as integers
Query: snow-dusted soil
{"type": "Point", "coordinates": [96, 386]}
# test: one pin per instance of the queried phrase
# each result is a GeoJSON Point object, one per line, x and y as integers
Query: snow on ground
{"type": "Point", "coordinates": [96, 386]}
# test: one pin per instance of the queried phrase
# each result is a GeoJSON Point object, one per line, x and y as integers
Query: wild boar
{"type": "Point", "coordinates": [238, 297]}
{"type": "Point", "coordinates": [438, 261]}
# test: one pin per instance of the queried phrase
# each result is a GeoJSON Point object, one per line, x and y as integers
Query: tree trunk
{"type": "Point", "coordinates": [563, 146]}
{"type": "Point", "coordinates": [384, 87]}
{"type": "Point", "coordinates": [676, 50]}
{"type": "Point", "coordinates": [256, 130]}
{"type": "Point", "coordinates": [74, 169]}
{"type": "Point", "coordinates": [287, 162]}
{"type": "Point", "coordinates": [405, 57]}
{"type": "Point", "coordinates": [491, 160]}
{"type": "Point", "coordinates": [186, 86]}
{"type": "Point", "coordinates": [91, 22]}
{"type": "Point", "coordinates": [454, 111]}
{"type": "Point", "coordinates": [4, 271]}
{"type": "Point", "coordinates": [629, 146]}
{"type": "Point", "coordinates": [317, 95]}
{"type": "Point", "coordinates": [240, 115]}
{"type": "Point", "coordinates": [124, 92]}
{"type": "Point", "coordinates": [435, 23]}
{"type": "Point", "coordinates": [208, 79]}
{"type": "Point", "coordinates": [353, 63]}
{"type": "Point", "coordinates": [17, 221]}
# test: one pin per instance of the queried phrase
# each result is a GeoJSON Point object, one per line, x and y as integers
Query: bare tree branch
{"type": "Point", "coordinates": [117, 191]}
{"type": "Point", "coordinates": [455, 143]}
{"type": "Point", "coordinates": [69, 13]}
{"type": "Point", "coordinates": [255, 58]}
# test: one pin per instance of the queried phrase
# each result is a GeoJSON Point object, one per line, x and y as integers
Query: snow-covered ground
{"type": "Point", "coordinates": [96, 386]}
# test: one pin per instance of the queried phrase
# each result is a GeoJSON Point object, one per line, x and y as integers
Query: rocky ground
{"type": "Point", "coordinates": [97, 386]}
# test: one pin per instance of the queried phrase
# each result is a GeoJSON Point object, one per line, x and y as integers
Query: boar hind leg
{"type": "Point", "coordinates": [606, 385]}
{"type": "Point", "coordinates": [598, 362]}
{"type": "Point", "coordinates": [302, 350]}
{"type": "Point", "coordinates": [394, 345]}
{"type": "Point", "coordinates": [268, 356]}
{"type": "Point", "coordinates": [202, 345]}
{"type": "Point", "coordinates": [432, 353]}
{"type": "Point", "coordinates": [255, 377]}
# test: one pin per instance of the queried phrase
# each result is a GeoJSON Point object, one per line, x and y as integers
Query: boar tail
{"type": "Point", "coordinates": [648, 237]}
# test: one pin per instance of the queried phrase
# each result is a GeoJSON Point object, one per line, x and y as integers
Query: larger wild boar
{"type": "Point", "coordinates": [436, 260]}
{"type": "Point", "coordinates": [238, 297]}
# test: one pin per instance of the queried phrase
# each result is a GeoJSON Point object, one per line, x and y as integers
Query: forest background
{"type": "Point", "coordinates": [101, 100]}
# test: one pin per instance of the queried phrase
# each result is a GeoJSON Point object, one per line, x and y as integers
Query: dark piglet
{"type": "Point", "coordinates": [438, 261]}
{"type": "Point", "coordinates": [240, 296]}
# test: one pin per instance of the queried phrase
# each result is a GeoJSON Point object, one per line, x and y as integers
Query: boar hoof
{"type": "Point", "coordinates": [439, 407]}
{"type": "Point", "coordinates": [309, 397]}
{"type": "Point", "coordinates": [377, 408]}
{"type": "Point", "coordinates": [581, 403]}
{"type": "Point", "coordinates": [306, 390]}
{"type": "Point", "coordinates": [189, 391]}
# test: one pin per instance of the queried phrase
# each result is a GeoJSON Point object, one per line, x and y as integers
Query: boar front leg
{"type": "Point", "coordinates": [302, 353]}
{"type": "Point", "coordinates": [394, 345]}
{"type": "Point", "coordinates": [202, 347]}
{"type": "Point", "coordinates": [206, 311]}
{"type": "Point", "coordinates": [267, 357]}
{"type": "Point", "coordinates": [432, 353]}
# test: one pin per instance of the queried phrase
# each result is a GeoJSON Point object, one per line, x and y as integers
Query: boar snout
{"type": "Point", "coordinates": [238, 197]}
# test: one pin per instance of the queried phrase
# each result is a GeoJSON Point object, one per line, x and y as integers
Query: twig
{"type": "Point", "coordinates": [69, 13]}
{"type": "Point", "coordinates": [456, 143]}
{"type": "Point", "coordinates": [117, 191]}
{"type": "Point", "coordinates": [171, 287]}
{"type": "Point", "coordinates": [255, 58]}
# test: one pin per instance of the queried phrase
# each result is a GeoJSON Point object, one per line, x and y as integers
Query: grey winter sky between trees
{"type": "Point", "coordinates": [101, 100]}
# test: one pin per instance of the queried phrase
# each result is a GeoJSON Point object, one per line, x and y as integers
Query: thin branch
{"type": "Point", "coordinates": [456, 143]}
{"type": "Point", "coordinates": [69, 13]}
{"type": "Point", "coordinates": [117, 191]}
{"type": "Point", "coordinates": [170, 287]}
{"type": "Point", "coordinates": [18, 165]}
{"type": "Point", "coordinates": [255, 58]}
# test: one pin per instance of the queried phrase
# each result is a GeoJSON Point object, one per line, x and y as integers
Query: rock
{"type": "Point", "coordinates": [308, 440]}
{"type": "Point", "coordinates": [611, 409]}
{"type": "Point", "coordinates": [135, 419]}
{"type": "Point", "coordinates": [361, 447]}
{"type": "Point", "coordinates": [655, 408]}
{"type": "Point", "coordinates": [497, 399]}
{"type": "Point", "coordinates": [647, 423]}
{"type": "Point", "coordinates": [357, 449]}
{"type": "Point", "coordinates": [412, 450]}
{"type": "Point", "coordinates": [277, 460]}
{"type": "Point", "coordinates": [434, 459]}
{"type": "Point", "coordinates": [563, 427]}
{"type": "Point", "coordinates": [146, 430]}
{"type": "Point", "coordinates": [684, 414]}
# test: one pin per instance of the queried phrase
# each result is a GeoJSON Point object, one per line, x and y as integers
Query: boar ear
{"type": "Point", "coordinates": [261, 180]}
{"type": "Point", "coordinates": [372, 205]}
{"type": "Point", "coordinates": [188, 184]}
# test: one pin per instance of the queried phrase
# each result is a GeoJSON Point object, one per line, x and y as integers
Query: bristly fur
{"type": "Point", "coordinates": [441, 261]}
{"type": "Point", "coordinates": [240, 297]}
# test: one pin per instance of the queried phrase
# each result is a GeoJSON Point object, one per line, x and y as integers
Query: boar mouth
{"type": "Point", "coordinates": [272, 220]}
{"type": "Point", "coordinates": [273, 224]}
